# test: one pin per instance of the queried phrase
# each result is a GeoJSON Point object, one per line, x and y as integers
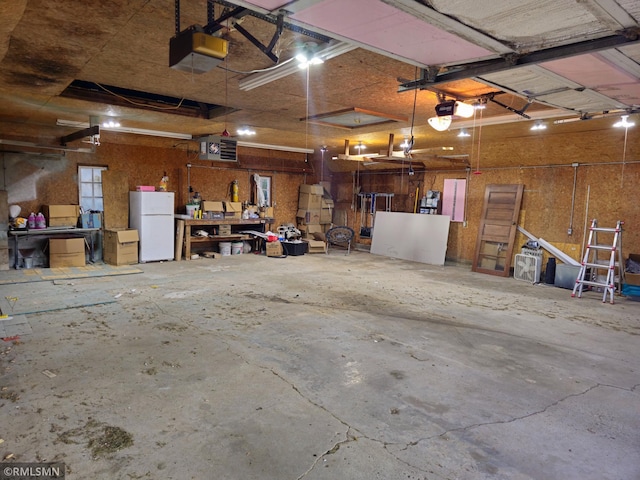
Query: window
{"type": "Point", "coordinates": [264, 195]}
{"type": "Point", "coordinates": [90, 188]}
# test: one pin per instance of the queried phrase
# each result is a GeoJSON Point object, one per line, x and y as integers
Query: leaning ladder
{"type": "Point", "coordinates": [591, 260]}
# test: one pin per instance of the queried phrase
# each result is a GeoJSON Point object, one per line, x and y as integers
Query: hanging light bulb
{"type": "Point", "coordinates": [539, 126]}
{"type": "Point", "coordinates": [440, 123]}
{"type": "Point", "coordinates": [360, 147]}
{"type": "Point", "coordinates": [464, 133]}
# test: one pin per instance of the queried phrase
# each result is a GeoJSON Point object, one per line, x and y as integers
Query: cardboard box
{"type": "Point", "coordinates": [145, 188]}
{"type": "Point", "coordinates": [89, 220]}
{"type": "Point", "coordinates": [61, 215]}
{"type": "Point", "coordinates": [308, 230]}
{"type": "Point", "coordinates": [66, 252]}
{"type": "Point", "coordinates": [309, 201]}
{"type": "Point", "coordinates": [209, 206]}
{"type": "Point", "coordinates": [274, 249]}
{"type": "Point", "coordinates": [224, 230]}
{"type": "Point", "coordinates": [312, 189]}
{"type": "Point", "coordinates": [233, 210]}
{"type": "Point", "coordinates": [327, 202]}
{"type": "Point", "coordinates": [307, 217]}
{"type": "Point", "coordinates": [326, 215]}
{"type": "Point", "coordinates": [316, 246]}
{"type": "Point", "coordinates": [633, 278]}
{"type": "Point", "coordinates": [120, 247]}
{"type": "Point", "coordinates": [268, 212]}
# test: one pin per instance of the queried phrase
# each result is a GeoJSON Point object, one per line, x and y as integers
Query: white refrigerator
{"type": "Point", "coordinates": [152, 214]}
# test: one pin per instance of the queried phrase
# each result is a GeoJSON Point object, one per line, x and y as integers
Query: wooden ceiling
{"type": "Point", "coordinates": [46, 45]}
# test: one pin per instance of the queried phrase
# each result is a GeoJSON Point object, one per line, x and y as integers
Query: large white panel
{"type": "Point", "coordinates": [410, 236]}
{"type": "Point", "coordinates": [151, 203]}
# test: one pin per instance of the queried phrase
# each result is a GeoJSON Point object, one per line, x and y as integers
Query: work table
{"type": "Point", "coordinates": [184, 229]}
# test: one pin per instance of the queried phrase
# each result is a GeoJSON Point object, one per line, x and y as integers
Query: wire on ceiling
{"type": "Point", "coordinates": [145, 105]}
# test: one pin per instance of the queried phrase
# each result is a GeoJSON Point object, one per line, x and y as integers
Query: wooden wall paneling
{"type": "Point", "coordinates": [115, 190]}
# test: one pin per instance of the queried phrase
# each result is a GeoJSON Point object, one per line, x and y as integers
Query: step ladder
{"type": "Point", "coordinates": [612, 259]}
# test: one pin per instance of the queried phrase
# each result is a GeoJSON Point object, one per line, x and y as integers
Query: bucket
{"type": "Point", "coordinates": [225, 248]}
{"type": "Point", "coordinates": [246, 247]}
{"type": "Point", "coordinates": [190, 209]}
{"type": "Point", "coordinates": [237, 248]}
{"type": "Point", "coordinates": [28, 262]}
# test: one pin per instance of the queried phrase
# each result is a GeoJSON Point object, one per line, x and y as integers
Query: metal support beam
{"type": "Point", "coordinates": [87, 132]}
{"type": "Point", "coordinates": [510, 61]}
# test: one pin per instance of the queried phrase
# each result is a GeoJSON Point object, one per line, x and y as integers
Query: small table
{"type": "Point", "coordinates": [53, 233]}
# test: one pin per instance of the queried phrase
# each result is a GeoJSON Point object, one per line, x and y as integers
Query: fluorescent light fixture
{"type": "Point", "coordinates": [110, 124]}
{"type": "Point", "coordinates": [258, 79]}
{"type": "Point", "coordinates": [464, 133]}
{"type": "Point", "coordinates": [539, 126]}
{"type": "Point", "coordinates": [440, 123]}
{"type": "Point", "coordinates": [623, 122]}
{"type": "Point", "coordinates": [282, 148]}
{"type": "Point", "coordinates": [511, 118]}
{"type": "Point", "coordinates": [120, 129]}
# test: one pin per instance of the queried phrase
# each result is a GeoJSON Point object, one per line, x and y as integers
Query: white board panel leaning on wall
{"type": "Point", "coordinates": [410, 236]}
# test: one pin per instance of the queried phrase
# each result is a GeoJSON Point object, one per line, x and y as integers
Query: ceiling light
{"type": "Point", "coordinates": [360, 147]}
{"type": "Point", "coordinates": [539, 126]}
{"type": "Point", "coordinates": [624, 123]}
{"type": "Point", "coordinates": [463, 110]}
{"type": "Point", "coordinates": [405, 144]}
{"type": "Point", "coordinates": [245, 131]}
{"type": "Point", "coordinates": [440, 123]}
{"type": "Point", "coordinates": [464, 133]}
{"type": "Point", "coordinates": [304, 61]}
{"type": "Point", "coordinates": [110, 124]}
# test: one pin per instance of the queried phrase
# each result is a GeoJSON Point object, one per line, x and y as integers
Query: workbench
{"type": "Point", "coordinates": [258, 224]}
{"type": "Point", "coordinates": [55, 232]}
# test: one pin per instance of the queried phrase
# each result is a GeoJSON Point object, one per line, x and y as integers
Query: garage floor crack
{"type": "Point", "coordinates": [522, 417]}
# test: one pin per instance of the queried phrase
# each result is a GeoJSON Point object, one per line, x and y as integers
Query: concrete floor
{"type": "Point", "coordinates": [321, 367]}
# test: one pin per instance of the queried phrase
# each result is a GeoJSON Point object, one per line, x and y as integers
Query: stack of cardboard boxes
{"type": "Point", "coordinates": [314, 217]}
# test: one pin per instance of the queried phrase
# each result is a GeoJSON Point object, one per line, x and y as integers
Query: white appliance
{"type": "Point", "coordinates": [527, 268]}
{"type": "Point", "coordinates": [152, 214]}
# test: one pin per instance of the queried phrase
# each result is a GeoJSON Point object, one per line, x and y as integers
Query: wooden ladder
{"type": "Point", "coordinates": [591, 261]}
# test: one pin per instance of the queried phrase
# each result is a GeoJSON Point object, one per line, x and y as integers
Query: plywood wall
{"type": "Point", "coordinates": [549, 206]}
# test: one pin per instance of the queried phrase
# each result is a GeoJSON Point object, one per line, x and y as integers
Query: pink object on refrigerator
{"type": "Point", "coordinates": [152, 214]}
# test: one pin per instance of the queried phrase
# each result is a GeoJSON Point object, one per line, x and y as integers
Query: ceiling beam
{"type": "Point", "coordinates": [477, 69]}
